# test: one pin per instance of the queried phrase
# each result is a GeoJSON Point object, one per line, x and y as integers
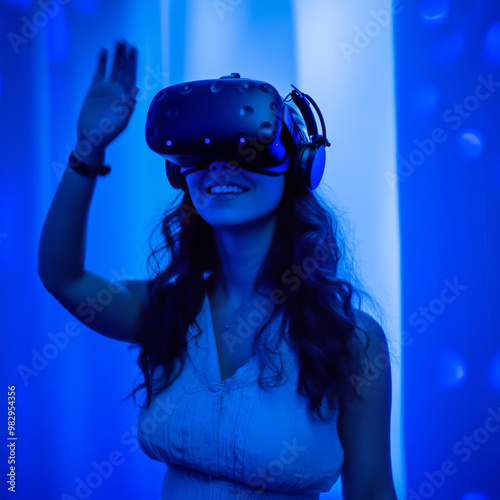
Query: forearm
{"type": "Point", "coordinates": [61, 256]}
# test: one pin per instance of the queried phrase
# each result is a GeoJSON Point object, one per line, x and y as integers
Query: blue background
{"type": "Point", "coordinates": [424, 162]}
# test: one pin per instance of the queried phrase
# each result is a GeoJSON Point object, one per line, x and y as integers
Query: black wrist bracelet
{"type": "Point", "coordinates": [84, 169]}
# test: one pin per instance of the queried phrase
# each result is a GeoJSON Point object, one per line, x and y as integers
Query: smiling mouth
{"type": "Point", "coordinates": [227, 190]}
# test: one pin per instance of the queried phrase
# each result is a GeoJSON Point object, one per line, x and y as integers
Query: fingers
{"type": "Point", "coordinates": [125, 65]}
{"type": "Point", "coordinates": [100, 73]}
{"type": "Point", "coordinates": [119, 63]}
{"type": "Point", "coordinates": [133, 94]}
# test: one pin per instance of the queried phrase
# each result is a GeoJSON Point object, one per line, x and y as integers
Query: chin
{"type": "Point", "coordinates": [237, 220]}
{"type": "Point", "coordinates": [225, 221]}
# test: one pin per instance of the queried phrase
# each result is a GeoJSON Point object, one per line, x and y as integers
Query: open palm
{"type": "Point", "coordinates": [108, 105]}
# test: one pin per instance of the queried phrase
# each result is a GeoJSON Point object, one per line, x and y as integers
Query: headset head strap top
{"type": "Point", "coordinates": [232, 75]}
{"type": "Point", "coordinates": [301, 101]}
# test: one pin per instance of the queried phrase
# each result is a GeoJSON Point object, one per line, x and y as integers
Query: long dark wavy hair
{"type": "Point", "coordinates": [318, 310]}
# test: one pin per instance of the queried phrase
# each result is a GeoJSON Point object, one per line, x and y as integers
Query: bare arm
{"type": "Point", "coordinates": [364, 425]}
{"type": "Point", "coordinates": [61, 258]}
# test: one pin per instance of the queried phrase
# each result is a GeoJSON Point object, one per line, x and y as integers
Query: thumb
{"type": "Point", "coordinates": [133, 93]}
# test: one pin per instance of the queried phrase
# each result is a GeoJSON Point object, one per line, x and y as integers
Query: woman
{"type": "Point", "coordinates": [257, 373]}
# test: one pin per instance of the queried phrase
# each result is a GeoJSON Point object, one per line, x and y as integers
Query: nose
{"type": "Point", "coordinates": [222, 165]}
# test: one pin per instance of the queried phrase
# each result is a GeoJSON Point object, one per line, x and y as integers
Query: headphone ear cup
{"type": "Point", "coordinates": [310, 165]}
{"type": "Point", "coordinates": [177, 181]}
{"type": "Point", "coordinates": [316, 165]}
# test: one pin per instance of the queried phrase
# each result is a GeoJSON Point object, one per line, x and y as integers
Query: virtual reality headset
{"type": "Point", "coordinates": [239, 120]}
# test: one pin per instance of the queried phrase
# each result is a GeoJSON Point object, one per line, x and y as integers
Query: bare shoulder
{"type": "Point", "coordinates": [367, 324]}
{"type": "Point", "coordinates": [376, 356]}
{"type": "Point", "coordinates": [371, 335]}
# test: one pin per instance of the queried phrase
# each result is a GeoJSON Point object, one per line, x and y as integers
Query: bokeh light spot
{"type": "Point", "coordinates": [449, 48]}
{"type": "Point", "coordinates": [492, 43]}
{"type": "Point", "coordinates": [425, 99]}
{"type": "Point", "coordinates": [474, 495]}
{"type": "Point", "coordinates": [451, 369]}
{"type": "Point", "coordinates": [433, 12]}
{"type": "Point", "coordinates": [470, 143]}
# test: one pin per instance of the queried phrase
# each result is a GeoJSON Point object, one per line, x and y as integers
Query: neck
{"type": "Point", "coordinates": [242, 250]}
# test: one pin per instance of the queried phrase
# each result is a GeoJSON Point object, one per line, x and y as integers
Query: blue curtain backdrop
{"type": "Point", "coordinates": [437, 188]}
{"type": "Point", "coordinates": [448, 101]}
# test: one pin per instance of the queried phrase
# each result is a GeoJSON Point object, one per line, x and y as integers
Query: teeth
{"type": "Point", "coordinates": [225, 189]}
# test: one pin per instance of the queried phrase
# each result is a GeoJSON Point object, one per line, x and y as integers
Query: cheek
{"type": "Point", "coordinates": [274, 192]}
{"type": "Point", "coordinates": [199, 198]}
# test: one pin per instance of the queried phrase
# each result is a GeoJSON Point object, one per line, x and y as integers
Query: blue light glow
{"type": "Point", "coordinates": [21, 3]}
{"type": "Point", "coordinates": [425, 99]}
{"type": "Point", "coordinates": [495, 372]}
{"type": "Point", "coordinates": [470, 143]}
{"type": "Point", "coordinates": [59, 37]}
{"type": "Point", "coordinates": [451, 370]}
{"type": "Point", "coordinates": [449, 48]}
{"type": "Point", "coordinates": [433, 12]}
{"type": "Point", "coordinates": [474, 495]}
{"type": "Point", "coordinates": [492, 43]}
{"type": "Point", "coordinates": [86, 7]}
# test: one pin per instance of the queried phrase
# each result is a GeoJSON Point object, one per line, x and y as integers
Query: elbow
{"type": "Point", "coordinates": [44, 268]}
{"type": "Point", "coordinates": [49, 278]}
{"type": "Point", "coordinates": [56, 275]}
{"type": "Point", "coordinates": [49, 285]}
{"type": "Point", "coordinates": [44, 274]}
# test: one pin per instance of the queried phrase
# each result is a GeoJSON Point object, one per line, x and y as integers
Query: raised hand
{"type": "Point", "coordinates": [108, 105]}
